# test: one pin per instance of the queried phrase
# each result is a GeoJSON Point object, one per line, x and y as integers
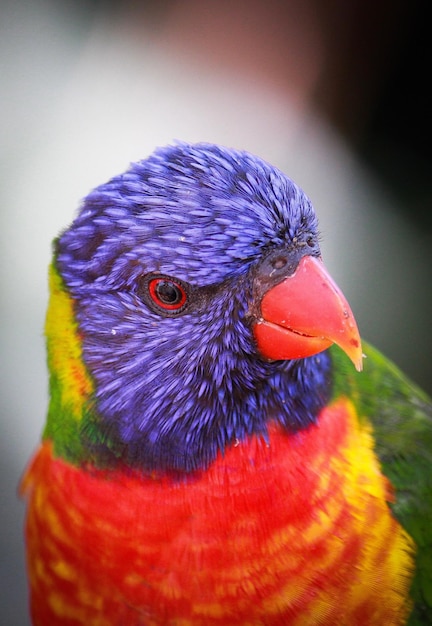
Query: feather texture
{"type": "Point", "coordinates": [185, 478]}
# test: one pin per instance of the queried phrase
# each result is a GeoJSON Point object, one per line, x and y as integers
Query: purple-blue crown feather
{"type": "Point", "coordinates": [172, 391]}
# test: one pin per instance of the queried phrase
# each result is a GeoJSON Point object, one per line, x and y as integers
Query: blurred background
{"type": "Point", "coordinates": [334, 93]}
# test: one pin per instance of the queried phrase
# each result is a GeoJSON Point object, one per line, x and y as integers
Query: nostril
{"type": "Point", "coordinates": [279, 262]}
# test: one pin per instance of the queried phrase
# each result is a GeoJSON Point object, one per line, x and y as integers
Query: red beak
{"type": "Point", "coordinates": [305, 314]}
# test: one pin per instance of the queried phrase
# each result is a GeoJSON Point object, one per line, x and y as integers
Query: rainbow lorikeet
{"type": "Point", "coordinates": [210, 456]}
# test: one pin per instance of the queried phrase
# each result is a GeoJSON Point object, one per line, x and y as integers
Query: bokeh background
{"type": "Point", "coordinates": [334, 93]}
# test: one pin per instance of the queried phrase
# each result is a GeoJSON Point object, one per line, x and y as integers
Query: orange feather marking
{"type": "Point", "coordinates": [295, 532]}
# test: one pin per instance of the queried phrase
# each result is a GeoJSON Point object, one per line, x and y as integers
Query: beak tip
{"type": "Point", "coordinates": [357, 358]}
{"type": "Point", "coordinates": [353, 348]}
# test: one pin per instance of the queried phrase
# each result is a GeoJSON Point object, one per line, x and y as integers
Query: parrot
{"type": "Point", "coordinates": [221, 447]}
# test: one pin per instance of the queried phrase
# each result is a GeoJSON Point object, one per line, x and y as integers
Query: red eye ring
{"type": "Point", "coordinates": [167, 294]}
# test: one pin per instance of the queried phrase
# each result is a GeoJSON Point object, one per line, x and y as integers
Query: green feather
{"type": "Point", "coordinates": [401, 416]}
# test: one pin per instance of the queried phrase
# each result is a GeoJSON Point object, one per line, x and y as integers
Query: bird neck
{"type": "Point", "coordinates": [71, 386]}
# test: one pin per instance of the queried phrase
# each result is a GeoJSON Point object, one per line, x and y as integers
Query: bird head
{"type": "Point", "coordinates": [203, 310]}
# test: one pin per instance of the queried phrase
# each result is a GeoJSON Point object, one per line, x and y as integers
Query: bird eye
{"type": "Point", "coordinates": [165, 295]}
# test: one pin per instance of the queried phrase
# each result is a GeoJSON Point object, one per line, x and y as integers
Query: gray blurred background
{"type": "Point", "coordinates": [335, 94]}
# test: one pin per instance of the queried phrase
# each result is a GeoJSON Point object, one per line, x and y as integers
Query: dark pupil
{"type": "Point", "coordinates": [168, 292]}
